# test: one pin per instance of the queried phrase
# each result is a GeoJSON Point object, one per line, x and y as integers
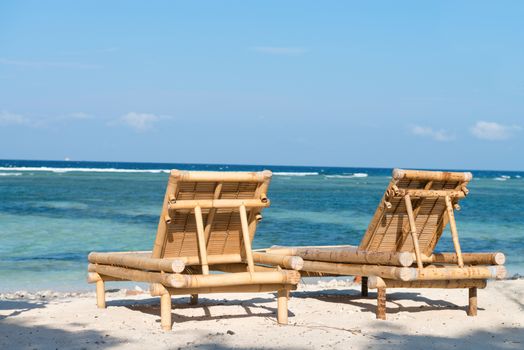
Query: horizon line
{"type": "Point", "coordinates": [259, 165]}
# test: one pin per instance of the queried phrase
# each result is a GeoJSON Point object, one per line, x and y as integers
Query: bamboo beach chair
{"type": "Point", "coordinates": [397, 250]}
{"type": "Point", "coordinates": [208, 222]}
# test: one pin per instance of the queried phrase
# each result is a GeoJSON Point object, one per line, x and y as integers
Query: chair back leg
{"type": "Point", "coordinates": [364, 286]}
{"type": "Point", "coordinates": [472, 305]}
{"type": "Point", "coordinates": [381, 303]}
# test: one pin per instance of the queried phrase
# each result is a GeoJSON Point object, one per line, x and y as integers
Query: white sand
{"type": "Point", "coordinates": [328, 317]}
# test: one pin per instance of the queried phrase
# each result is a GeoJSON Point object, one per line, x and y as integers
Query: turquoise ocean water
{"type": "Point", "coordinates": [52, 214]}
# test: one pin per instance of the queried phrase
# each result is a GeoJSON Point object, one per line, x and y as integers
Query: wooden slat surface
{"type": "Point", "coordinates": [225, 235]}
{"type": "Point", "coordinates": [387, 230]}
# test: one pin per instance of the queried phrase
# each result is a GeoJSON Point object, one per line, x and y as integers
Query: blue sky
{"type": "Point", "coordinates": [434, 84]}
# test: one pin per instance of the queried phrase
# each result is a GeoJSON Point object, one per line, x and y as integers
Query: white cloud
{"type": "Point", "coordinates": [280, 50]}
{"type": "Point", "coordinates": [437, 135]}
{"type": "Point", "coordinates": [140, 121]}
{"type": "Point", "coordinates": [48, 64]}
{"type": "Point", "coordinates": [493, 131]}
{"type": "Point", "coordinates": [8, 118]}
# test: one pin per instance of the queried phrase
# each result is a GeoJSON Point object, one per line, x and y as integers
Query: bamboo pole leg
{"type": "Point", "coordinates": [381, 303]}
{"type": "Point", "coordinates": [165, 311]}
{"type": "Point", "coordinates": [472, 306]}
{"type": "Point", "coordinates": [201, 240]}
{"type": "Point", "coordinates": [364, 286]}
{"type": "Point", "coordinates": [282, 306]}
{"type": "Point", "coordinates": [246, 238]}
{"type": "Point", "coordinates": [454, 232]}
{"type": "Point", "coordinates": [193, 299]}
{"type": "Point", "coordinates": [100, 294]}
{"type": "Point", "coordinates": [413, 228]}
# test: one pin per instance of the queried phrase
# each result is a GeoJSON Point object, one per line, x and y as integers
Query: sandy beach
{"type": "Point", "coordinates": [331, 314]}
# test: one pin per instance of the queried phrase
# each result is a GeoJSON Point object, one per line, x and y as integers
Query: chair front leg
{"type": "Point", "coordinates": [165, 311]}
{"type": "Point", "coordinates": [282, 311]}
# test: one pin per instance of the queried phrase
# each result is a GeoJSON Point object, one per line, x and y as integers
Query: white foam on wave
{"type": "Point", "coordinates": [349, 176]}
{"type": "Point", "coordinates": [360, 175]}
{"type": "Point", "coordinates": [502, 178]}
{"type": "Point", "coordinates": [85, 170]}
{"type": "Point", "coordinates": [63, 205]}
{"type": "Point", "coordinates": [10, 174]}
{"type": "Point", "coordinates": [283, 173]}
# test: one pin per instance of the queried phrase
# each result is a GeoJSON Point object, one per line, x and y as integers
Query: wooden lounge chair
{"type": "Point", "coordinates": [397, 250]}
{"type": "Point", "coordinates": [207, 224]}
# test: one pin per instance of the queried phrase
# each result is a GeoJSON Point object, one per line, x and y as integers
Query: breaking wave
{"type": "Point", "coordinates": [284, 173]}
{"type": "Point", "coordinates": [85, 170]}
{"type": "Point", "coordinates": [348, 176]}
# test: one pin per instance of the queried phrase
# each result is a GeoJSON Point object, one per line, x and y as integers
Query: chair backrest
{"type": "Point", "coordinates": [203, 211]}
{"type": "Point", "coordinates": [390, 230]}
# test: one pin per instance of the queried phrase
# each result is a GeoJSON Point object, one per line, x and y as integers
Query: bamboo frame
{"type": "Point", "coordinates": [433, 184]}
{"type": "Point", "coordinates": [165, 297]}
{"type": "Point", "coordinates": [137, 262]}
{"type": "Point", "coordinates": [472, 301]}
{"type": "Point", "coordinates": [454, 232]}
{"type": "Point", "coordinates": [406, 227]}
{"type": "Point", "coordinates": [246, 240]}
{"type": "Point", "coordinates": [381, 303]}
{"type": "Point", "coordinates": [452, 272]}
{"type": "Point", "coordinates": [430, 193]}
{"type": "Point", "coordinates": [93, 277]}
{"type": "Point", "coordinates": [165, 312]}
{"type": "Point", "coordinates": [212, 211]}
{"type": "Point", "coordinates": [223, 176]}
{"type": "Point", "coordinates": [164, 273]}
{"type": "Point", "coordinates": [413, 230]}
{"type": "Point", "coordinates": [496, 258]}
{"type": "Point", "coordinates": [348, 254]}
{"type": "Point", "coordinates": [408, 273]}
{"type": "Point", "coordinates": [284, 261]}
{"type": "Point", "coordinates": [433, 194]}
{"type": "Point", "coordinates": [255, 217]}
{"type": "Point", "coordinates": [399, 174]}
{"type": "Point", "coordinates": [282, 311]}
{"type": "Point", "coordinates": [275, 249]}
{"type": "Point", "coordinates": [381, 209]}
{"type": "Point", "coordinates": [158, 289]}
{"type": "Point", "coordinates": [100, 294]}
{"type": "Point", "coordinates": [135, 275]}
{"type": "Point", "coordinates": [375, 282]}
{"type": "Point", "coordinates": [186, 260]}
{"type": "Point", "coordinates": [201, 240]}
{"type": "Point", "coordinates": [381, 285]}
{"type": "Point", "coordinates": [393, 272]}
{"type": "Point", "coordinates": [114, 259]}
{"type": "Point", "coordinates": [232, 279]}
{"type": "Point", "coordinates": [199, 281]}
{"type": "Point", "coordinates": [217, 203]}
{"type": "Point", "coordinates": [161, 233]}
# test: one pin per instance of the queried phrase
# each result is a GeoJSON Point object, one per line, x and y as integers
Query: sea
{"type": "Point", "coordinates": [53, 213]}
